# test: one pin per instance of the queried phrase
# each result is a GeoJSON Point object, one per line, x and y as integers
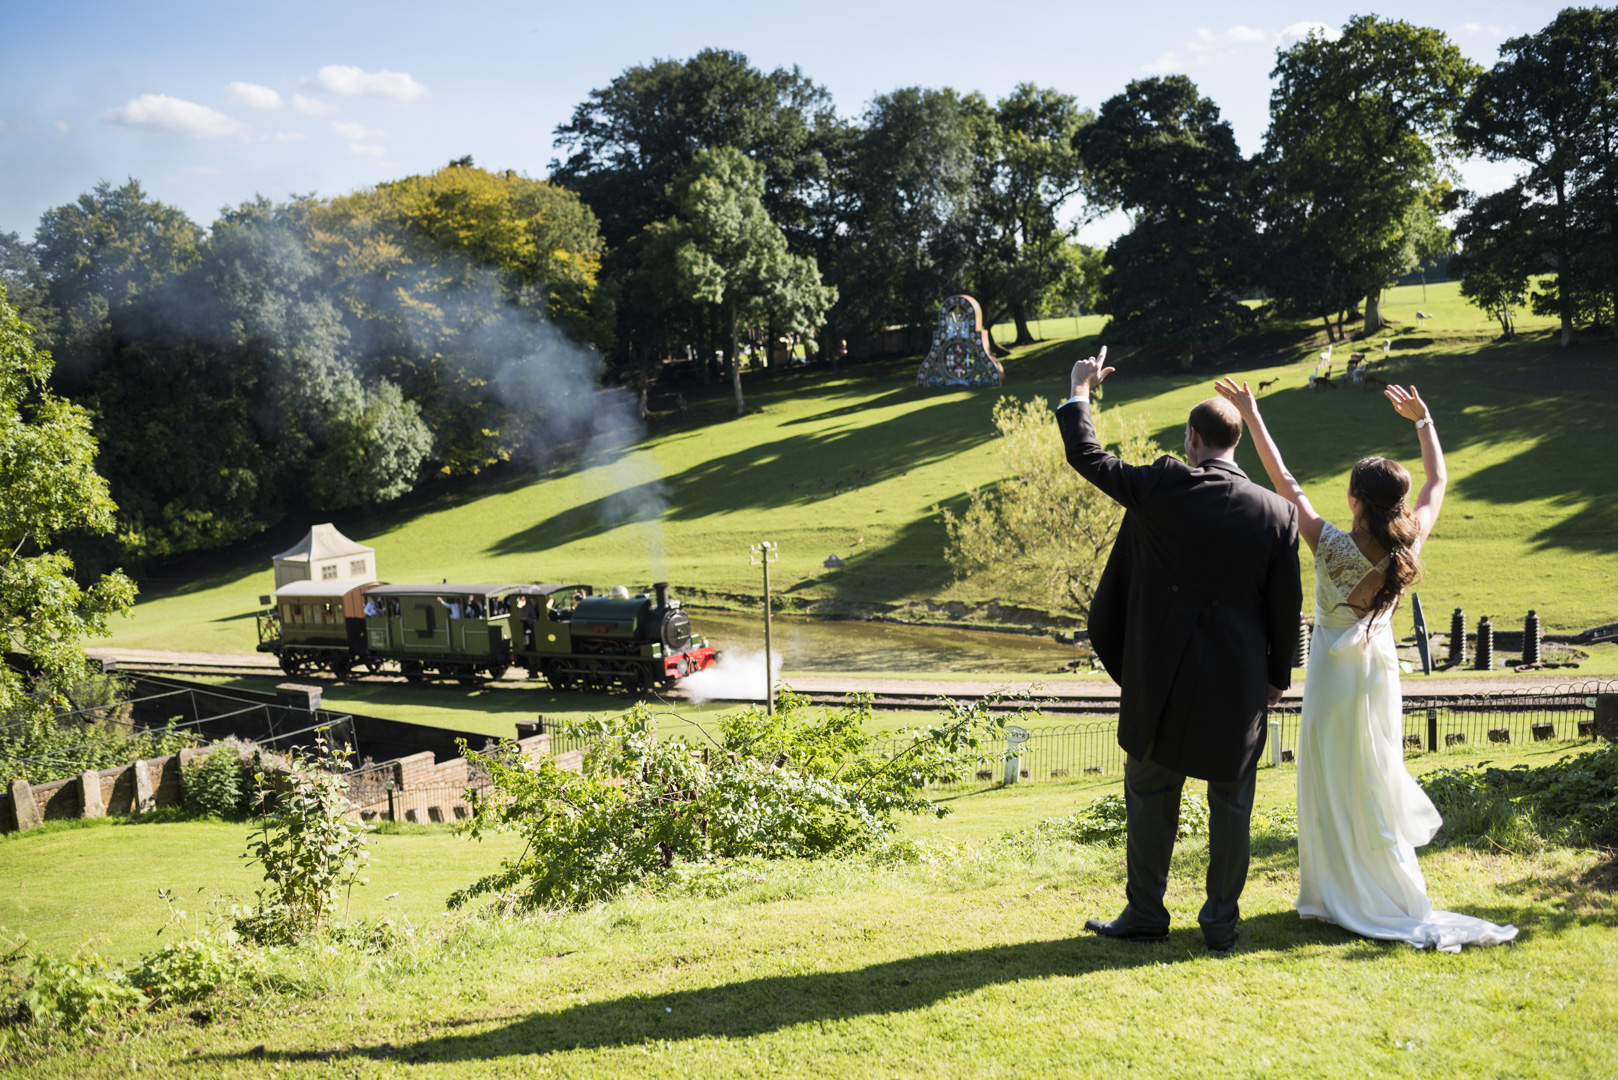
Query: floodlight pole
{"type": "Point", "coordinates": [763, 554]}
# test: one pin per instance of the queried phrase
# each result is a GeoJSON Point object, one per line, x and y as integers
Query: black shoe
{"type": "Point", "coordinates": [1225, 945]}
{"type": "Point", "coordinates": [1116, 929]}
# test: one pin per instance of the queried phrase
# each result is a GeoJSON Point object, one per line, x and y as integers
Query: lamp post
{"type": "Point", "coordinates": [763, 554]}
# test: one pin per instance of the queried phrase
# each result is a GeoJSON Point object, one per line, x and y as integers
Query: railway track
{"type": "Point", "coordinates": [1053, 703]}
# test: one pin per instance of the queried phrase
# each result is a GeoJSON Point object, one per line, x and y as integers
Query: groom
{"type": "Point", "coordinates": [1196, 619]}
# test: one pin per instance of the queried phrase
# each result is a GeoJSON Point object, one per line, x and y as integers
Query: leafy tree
{"type": "Point", "coordinates": [1042, 532]}
{"type": "Point", "coordinates": [102, 252]}
{"type": "Point", "coordinates": [25, 285]}
{"type": "Point", "coordinates": [375, 444]}
{"type": "Point", "coordinates": [917, 172]}
{"type": "Point", "coordinates": [1551, 102]}
{"type": "Point", "coordinates": [1361, 136]}
{"type": "Point", "coordinates": [725, 251]}
{"type": "Point", "coordinates": [453, 286]}
{"type": "Point", "coordinates": [1036, 171]}
{"type": "Point", "coordinates": [1503, 247]}
{"type": "Point", "coordinates": [48, 487]}
{"type": "Point", "coordinates": [1160, 151]}
{"type": "Point", "coordinates": [629, 141]}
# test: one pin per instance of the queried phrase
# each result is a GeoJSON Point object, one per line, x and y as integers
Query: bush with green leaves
{"type": "Point", "coordinates": [215, 785]}
{"type": "Point", "coordinates": [1105, 821]}
{"type": "Point", "coordinates": [767, 787]}
{"type": "Point", "coordinates": [312, 852]}
{"type": "Point", "coordinates": [1572, 801]}
{"type": "Point", "coordinates": [86, 725]}
{"type": "Point", "coordinates": [72, 993]}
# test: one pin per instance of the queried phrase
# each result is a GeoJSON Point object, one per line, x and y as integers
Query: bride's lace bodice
{"type": "Point", "coordinates": [1340, 566]}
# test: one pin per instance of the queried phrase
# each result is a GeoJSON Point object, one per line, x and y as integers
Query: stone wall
{"type": "Point", "coordinates": [126, 789]}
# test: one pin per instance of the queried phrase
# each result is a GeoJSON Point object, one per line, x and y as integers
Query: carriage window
{"type": "Point", "coordinates": [357, 568]}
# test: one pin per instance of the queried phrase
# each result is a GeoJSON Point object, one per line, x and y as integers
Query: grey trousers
{"type": "Point", "coordinates": [1152, 802]}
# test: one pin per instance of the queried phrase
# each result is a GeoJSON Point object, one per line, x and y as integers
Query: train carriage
{"type": "Point", "coordinates": [444, 630]}
{"type": "Point", "coordinates": [315, 624]}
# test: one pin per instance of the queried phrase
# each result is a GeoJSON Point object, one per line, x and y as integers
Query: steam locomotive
{"type": "Point", "coordinates": [569, 635]}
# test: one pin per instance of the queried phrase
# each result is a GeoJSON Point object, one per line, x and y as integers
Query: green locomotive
{"type": "Point", "coordinates": [565, 633]}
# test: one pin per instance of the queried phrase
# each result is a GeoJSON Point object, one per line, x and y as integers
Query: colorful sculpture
{"type": "Point", "coordinates": [960, 352]}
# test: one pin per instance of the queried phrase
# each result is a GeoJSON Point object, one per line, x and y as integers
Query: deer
{"type": "Point", "coordinates": [1267, 383]}
{"type": "Point", "coordinates": [1367, 379]}
{"type": "Point", "coordinates": [1320, 382]}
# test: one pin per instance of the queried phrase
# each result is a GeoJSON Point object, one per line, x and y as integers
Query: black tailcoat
{"type": "Point", "coordinates": [1197, 611]}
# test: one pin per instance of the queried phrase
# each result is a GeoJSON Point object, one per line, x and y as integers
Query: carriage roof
{"type": "Point", "coordinates": [329, 590]}
{"type": "Point", "coordinates": [448, 588]}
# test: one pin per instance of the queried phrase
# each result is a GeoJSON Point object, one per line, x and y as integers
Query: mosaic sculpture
{"type": "Point", "coordinates": [960, 352]}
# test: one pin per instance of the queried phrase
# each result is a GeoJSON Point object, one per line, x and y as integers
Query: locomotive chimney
{"type": "Point", "coordinates": [662, 589]}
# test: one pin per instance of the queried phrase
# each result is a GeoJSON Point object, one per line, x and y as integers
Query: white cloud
{"type": "Point", "coordinates": [252, 95]}
{"type": "Point", "coordinates": [1300, 30]}
{"type": "Point", "coordinates": [1165, 64]}
{"type": "Point", "coordinates": [357, 132]}
{"type": "Point", "coordinates": [352, 81]}
{"type": "Point", "coordinates": [164, 115]}
{"type": "Point", "coordinates": [366, 149]}
{"type": "Point", "coordinates": [312, 106]}
{"type": "Point", "coordinates": [1236, 35]}
{"type": "Point", "coordinates": [61, 125]}
{"type": "Point", "coordinates": [283, 137]}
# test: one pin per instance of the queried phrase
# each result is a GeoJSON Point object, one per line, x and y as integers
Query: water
{"type": "Point", "coordinates": [826, 645]}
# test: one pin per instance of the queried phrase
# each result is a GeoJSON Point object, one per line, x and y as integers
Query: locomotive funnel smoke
{"type": "Point", "coordinates": [738, 676]}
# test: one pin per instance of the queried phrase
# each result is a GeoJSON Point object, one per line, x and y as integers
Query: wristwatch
{"type": "Point", "coordinates": [1423, 422]}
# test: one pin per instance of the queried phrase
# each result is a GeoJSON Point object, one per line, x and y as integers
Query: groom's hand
{"type": "Point", "coordinates": [1088, 373]}
{"type": "Point", "coordinates": [1275, 696]}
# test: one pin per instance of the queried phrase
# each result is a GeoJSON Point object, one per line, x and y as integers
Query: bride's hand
{"type": "Point", "coordinates": [1407, 404]}
{"type": "Point", "coordinates": [1239, 396]}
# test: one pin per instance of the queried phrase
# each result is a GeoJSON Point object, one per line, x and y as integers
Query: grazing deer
{"type": "Point", "coordinates": [1267, 383]}
{"type": "Point", "coordinates": [1320, 382]}
{"type": "Point", "coordinates": [1372, 380]}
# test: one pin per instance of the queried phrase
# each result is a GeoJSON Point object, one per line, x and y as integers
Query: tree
{"type": "Point", "coordinates": [1358, 153]}
{"type": "Point", "coordinates": [726, 252]}
{"type": "Point", "coordinates": [917, 171]}
{"type": "Point", "coordinates": [629, 141]}
{"type": "Point", "coordinates": [1160, 150]}
{"type": "Point", "coordinates": [1036, 171]}
{"type": "Point", "coordinates": [48, 487]}
{"type": "Point", "coordinates": [1042, 531]}
{"type": "Point", "coordinates": [1503, 239]}
{"type": "Point", "coordinates": [470, 289]}
{"type": "Point", "coordinates": [1551, 103]}
{"type": "Point", "coordinates": [102, 252]}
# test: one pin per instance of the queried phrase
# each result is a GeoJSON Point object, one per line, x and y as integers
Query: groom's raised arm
{"type": "Point", "coordinates": [1126, 484]}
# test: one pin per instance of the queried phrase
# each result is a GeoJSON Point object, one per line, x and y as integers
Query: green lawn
{"type": "Point", "coordinates": [971, 962]}
{"type": "Point", "coordinates": [855, 464]}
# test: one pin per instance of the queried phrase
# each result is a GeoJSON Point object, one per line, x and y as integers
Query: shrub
{"type": "Point", "coordinates": [1105, 821]}
{"type": "Point", "coordinates": [768, 788]}
{"type": "Point", "coordinates": [72, 993]}
{"type": "Point", "coordinates": [1571, 801]}
{"type": "Point", "coordinates": [311, 851]}
{"type": "Point", "coordinates": [215, 786]}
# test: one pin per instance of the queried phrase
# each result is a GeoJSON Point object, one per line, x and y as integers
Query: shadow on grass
{"type": "Point", "coordinates": [758, 1006]}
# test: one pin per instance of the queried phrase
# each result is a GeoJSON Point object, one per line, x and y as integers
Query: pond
{"type": "Point", "coordinates": [835, 645]}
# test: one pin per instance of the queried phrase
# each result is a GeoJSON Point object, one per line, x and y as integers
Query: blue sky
{"type": "Point", "coordinates": [210, 104]}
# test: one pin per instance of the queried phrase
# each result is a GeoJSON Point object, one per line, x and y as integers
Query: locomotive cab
{"type": "Point", "coordinates": [611, 640]}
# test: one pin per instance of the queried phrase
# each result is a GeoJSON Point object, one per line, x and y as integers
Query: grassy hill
{"type": "Point", "coordinates": [857, 464]}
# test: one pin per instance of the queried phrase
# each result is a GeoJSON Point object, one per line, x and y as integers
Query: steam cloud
{"type": "Point", "coordinates": [738, 676]}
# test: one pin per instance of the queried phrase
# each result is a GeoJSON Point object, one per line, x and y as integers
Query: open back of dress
{"type": "Point", "coordinates": [1360, 815]}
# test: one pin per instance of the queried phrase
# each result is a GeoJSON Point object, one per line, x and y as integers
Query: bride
{"type": "Point", "coordinates": [1360, 815]}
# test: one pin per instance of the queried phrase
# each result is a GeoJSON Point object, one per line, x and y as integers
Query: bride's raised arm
{"type": "Point", "coordinates": [1286, 485]}
{"type": "Point", "coordinates": [1408, 404]}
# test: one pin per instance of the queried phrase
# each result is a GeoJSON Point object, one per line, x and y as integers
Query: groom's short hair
{"type": "Point", "coordinates": [1218, 422]}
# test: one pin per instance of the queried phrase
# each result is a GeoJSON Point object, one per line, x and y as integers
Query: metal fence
{"type": "Point", "coordinates": [1089, 747]}
{"type": "Point", "coordinates": [427, 803]}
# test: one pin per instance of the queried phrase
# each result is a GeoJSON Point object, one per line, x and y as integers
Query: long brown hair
{"type": "Point", "coordinates": [1382, 487]}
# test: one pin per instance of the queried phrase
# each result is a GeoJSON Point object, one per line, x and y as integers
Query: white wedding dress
{"type": "Point", "coordinates": [1360, 815]}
